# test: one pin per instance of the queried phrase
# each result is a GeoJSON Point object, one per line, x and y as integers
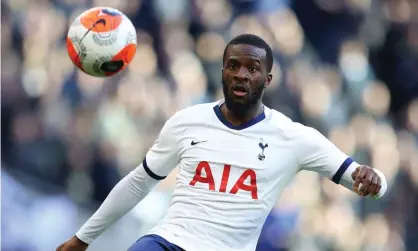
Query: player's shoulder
{"type": "Point", "coordinates": [286, 127]}
{"type": "Point", "coordinates": [192, 113]}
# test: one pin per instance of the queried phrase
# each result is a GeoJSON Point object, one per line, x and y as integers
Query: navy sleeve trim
{"type": "Point", "coordinates": [150, 173]}
{"type": "Point", "coordinates": [339, 174]}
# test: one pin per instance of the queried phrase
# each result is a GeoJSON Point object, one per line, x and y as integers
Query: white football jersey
{"type": "Point", "coordinates": [230, 177]}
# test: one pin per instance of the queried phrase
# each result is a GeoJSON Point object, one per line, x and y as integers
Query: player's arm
{"type": "Point", "coordinates": [157, 164]}
{"type": "Point", "coordinates": [316, 153]}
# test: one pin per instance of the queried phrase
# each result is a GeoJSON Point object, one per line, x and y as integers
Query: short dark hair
{"type": "Point", "coordinates": [250, 39]}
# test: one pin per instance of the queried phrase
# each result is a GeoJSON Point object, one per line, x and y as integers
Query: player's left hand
{"type": "Point", "coordinates": [370, 181]}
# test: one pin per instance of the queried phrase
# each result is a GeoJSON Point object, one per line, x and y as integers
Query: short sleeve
{"type": "Point", "coordinates": [316, 153]}
{"type": "Point", "coordinates": [164, 155]}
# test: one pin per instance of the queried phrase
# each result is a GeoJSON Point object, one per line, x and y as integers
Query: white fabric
{"type": "Point", "coordinates": [384, 184]}
{"type": "Point", "coordinates": [123, 198]}
{"type": "Point", "coordinates": [227, 184]}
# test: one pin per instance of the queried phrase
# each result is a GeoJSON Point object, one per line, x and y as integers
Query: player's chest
{"type": "Point", "coordinates": [263, 153]}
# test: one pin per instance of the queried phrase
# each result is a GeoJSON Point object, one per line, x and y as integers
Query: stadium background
{"type": "Point", "coordinates": [346, 67]}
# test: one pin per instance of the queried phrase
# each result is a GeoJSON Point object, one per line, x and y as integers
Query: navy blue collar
{"type": "Point", "coordinates": [247, 124]}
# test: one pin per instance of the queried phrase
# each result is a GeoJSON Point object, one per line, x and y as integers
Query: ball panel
{"type": "Point", "coordinates": [125, 55]}
{"type": "Point", "coordinates": [98, 51]}
{"type": "Point", "coordinates": [101, 19]}
{"type": "Point", "coordinates": [73, 54]}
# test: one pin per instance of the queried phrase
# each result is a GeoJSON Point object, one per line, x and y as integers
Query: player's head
{"type": "Point", "coordinates": [247, 63]}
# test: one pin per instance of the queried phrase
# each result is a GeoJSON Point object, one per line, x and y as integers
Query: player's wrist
{"type": "Point", "coordinates": [80, 240]}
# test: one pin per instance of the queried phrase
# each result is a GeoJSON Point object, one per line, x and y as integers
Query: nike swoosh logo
{"type": "Point", "coordinates": [100, 21]}
{"type": "Point", "coordinates": [197, 142]}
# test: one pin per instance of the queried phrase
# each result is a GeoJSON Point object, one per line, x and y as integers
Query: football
{"type": "Point", "coordinates": [101, 41]}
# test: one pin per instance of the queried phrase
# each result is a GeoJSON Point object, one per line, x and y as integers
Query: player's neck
{"type": "Point", "coordinates": [236, 119]}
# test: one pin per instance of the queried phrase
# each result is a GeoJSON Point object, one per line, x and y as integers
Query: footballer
{"type": "Point", "coordinates": [235, 158]}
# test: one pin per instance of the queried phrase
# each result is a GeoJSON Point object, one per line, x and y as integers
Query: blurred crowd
{"type": "Point", "coordinates": [349, 68]}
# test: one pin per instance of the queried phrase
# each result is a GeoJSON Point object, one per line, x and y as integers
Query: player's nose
{"type": "Point", "coordinates": [242, 75]}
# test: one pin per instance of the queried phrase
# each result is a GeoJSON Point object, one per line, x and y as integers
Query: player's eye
{"type": "Point", "coordinates": [252, 69]}
{"type": "Point", "coordinates": [232, 67]}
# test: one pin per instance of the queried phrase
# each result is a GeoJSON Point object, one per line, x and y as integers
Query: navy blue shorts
{"type": "Point", "coordinates": [154, 242]}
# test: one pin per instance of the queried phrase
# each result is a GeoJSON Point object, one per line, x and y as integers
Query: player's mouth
{"type": "Point", "coordinates": [239, 90]}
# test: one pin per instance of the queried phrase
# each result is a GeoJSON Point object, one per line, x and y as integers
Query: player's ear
{"type": "Point", "coordinates": [268, 80]}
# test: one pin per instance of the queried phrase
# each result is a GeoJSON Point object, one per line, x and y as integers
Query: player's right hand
{"type": "Point", "coordinates": [73, 244]}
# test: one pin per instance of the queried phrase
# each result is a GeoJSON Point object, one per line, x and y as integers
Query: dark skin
{"type": "Point", "coordinates": [245, 65]}
{"type": "Point", "coordinates": [370, 181]}
{"type": "Point", "coordinates": [73, 244]}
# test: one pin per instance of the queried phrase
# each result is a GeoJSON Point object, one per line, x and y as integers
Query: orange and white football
{"type": "Point", "coordinates": [101, 41]}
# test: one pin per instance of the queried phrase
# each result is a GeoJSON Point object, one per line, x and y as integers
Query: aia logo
{"type": "Point", "coordinates": [239, 184]}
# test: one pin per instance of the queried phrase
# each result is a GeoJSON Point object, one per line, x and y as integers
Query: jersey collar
{"type": "Point", "coordinates": [228, 124]}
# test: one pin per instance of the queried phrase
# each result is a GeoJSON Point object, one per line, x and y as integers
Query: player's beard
{"type": "Point", "coordinates": [240, 109]}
